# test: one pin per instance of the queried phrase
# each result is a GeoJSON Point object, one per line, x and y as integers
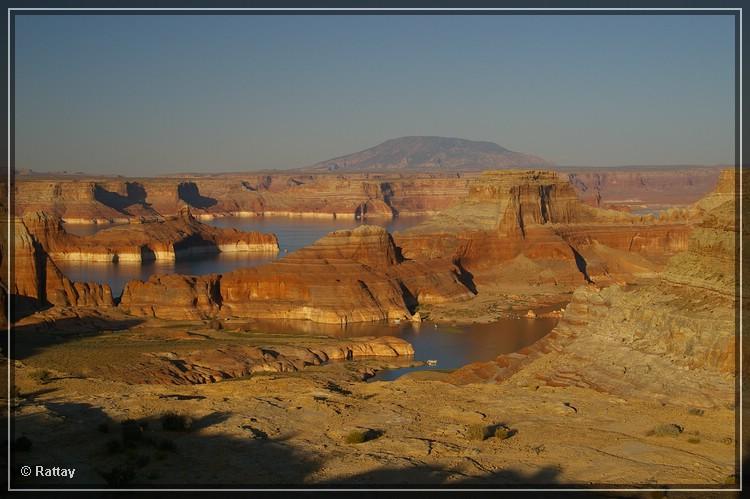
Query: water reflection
{"type": "Point", "coordinates": [293, 234]}
{"type": "Point", "coordinates": [451, 346]}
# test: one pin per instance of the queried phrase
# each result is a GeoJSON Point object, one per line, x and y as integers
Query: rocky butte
{"type": "Point", "coordinates": [531, 225]}
{"type": "Point", "coordinates": [400, 177]}
{"type": "Point", "coordinates": [627, 340]}
{"type": "Point", "coordinates": [348, 276]}
{"type": "Point", "coordinates": [168, 239]}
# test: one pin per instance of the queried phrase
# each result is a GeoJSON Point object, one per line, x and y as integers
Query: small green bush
{"type": "Point", "coordinates": [503, 432]}
{"type": "Point", "coordinates": [478, 432]}
{"type": "Point", "coordinates": [172, 421]}
{"type": "Point", "coordinates": [360, 436]}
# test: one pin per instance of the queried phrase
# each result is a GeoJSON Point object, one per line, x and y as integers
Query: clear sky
{"type": "Point", "coordinates": [139, 95]}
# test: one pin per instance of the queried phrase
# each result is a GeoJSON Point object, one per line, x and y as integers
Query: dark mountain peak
{"type": "Point", "coordinates": [431, 153]}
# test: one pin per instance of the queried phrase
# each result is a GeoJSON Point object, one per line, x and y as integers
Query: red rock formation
{"type": "Point", "coordinates": [348, 276]}
{"type": "Point", "coordinates": [90, 199]}
{"type": "Point", "coordinates": [305, 195]}
{"type": "Point", "coordinates": [628, 341]}
{"type": "Point", "coordinates": [37, 282]}
{"type": "Point", "coordinates": [164, 239]}
{"type": "Point", "coordinates": [538, 215]}
{"type": "Point", "coordinates": [172, 296]}
{"type": "Point", "coordinates": [634, 186]}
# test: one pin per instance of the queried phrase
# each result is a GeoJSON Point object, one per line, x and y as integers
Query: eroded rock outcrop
{"type": "Point", "coordinates": [672, 337]}
{"type": "Point", "coordinates": [235, 361]}
{"type": "Point", "coordinates": [154, 240]}
{"type": "Point", "coordinates": [537, 215]}
{"type": "Point", "coordinates": [37, 282]}
{"type": "Point", "coordinates": [348, 276]}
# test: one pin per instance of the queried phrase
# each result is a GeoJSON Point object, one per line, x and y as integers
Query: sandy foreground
{"type": "Point", "coordinates": [291, 428]}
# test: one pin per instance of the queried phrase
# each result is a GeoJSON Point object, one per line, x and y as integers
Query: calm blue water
{"type": "Point", "coordinates": [451, 346]}
{"type": "Point", "coordinates": [293, 234]}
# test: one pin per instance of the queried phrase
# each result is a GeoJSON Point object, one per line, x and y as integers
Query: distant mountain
{"type": "Point", "coordinates": [431, 153]}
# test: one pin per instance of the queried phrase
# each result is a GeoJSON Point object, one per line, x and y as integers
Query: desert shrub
{"type": "Point", "coordinates": [694, 411]}
{"type": "Point", "coordinates": [503, 432]}
{"type": "Point", "coordinates": [360, 436]}
{"type": "Point", "coordinates": [172, 421]}
{"type": "Point", "coordinates": [22, 444]}
{"type": "Point", "coordinates": [114, 446]}
{"type": "Point", "coordinates": [694, 440]}
{"type": "Point", "coordinates": [667, 430]}
{"type": "Point", "coordinates": [215, 324]}
{"type": "Point", "coordinates": [477, 432]}
{"type": "Point", "coordinates": [131, 431]}
{"type": "Point", "coordinates": [119, 476]}
{"type": "Point", "coordinates": [41, 376]}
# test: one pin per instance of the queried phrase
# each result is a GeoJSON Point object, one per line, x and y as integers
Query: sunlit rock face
{"type": "Point", "coordinates": [37, 281]}
{"type": "Point", "coordinates": [538, 216]}
{"type": "Point", "coordinates": [348, 276]}
{"type": "Point", "coordinates": [169, 239]}
{"type": "Point", "coordinates": [627, 340]}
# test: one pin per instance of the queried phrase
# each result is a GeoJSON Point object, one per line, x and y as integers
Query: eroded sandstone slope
{"type": "Point", "coordinates": [348, 276]}
{"type": "Point", "coordinates": [672, 337]}
{"type": "Point", "coordinates": [153, 240]}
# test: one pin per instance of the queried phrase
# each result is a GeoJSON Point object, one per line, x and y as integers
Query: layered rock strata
{"type": "Point", "coordinates": [537, 216]}
{"type": "Point", "coordinates": [236, 361]}
{"type": "Point", "coordinates": [300, 194]}
{"type": "Point", "coordinates": [37, 282]}
{"type": "Point", "coordinates": [672, 338]}
{"type": "Point", "coordinates": [101, 200]}
{"type": "Point", "coordinates": [348, 276]}
{"type": "Point", "coordinates": [155, 240]}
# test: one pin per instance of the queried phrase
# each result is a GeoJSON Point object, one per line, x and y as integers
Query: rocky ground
{"type": "Point", "coordinates": [636, 384]}
{"type": "Point", "coordinates": [292, 428]}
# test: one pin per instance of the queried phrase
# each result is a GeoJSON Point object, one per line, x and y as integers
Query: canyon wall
{"type": "Point", "coordinates": [305, 194]}
{"type": "Point", "coordinates": [537, 216]}
{"type": "Point", "coordinates": [38, 283]}
{"type": "Point", "coordinates": [348, 276]}
{"type": "Point", "coordinates": [681, 324]}
{"type": "Point", "coordinates": [634, 186]}
{"type": "Point", "coordinates": [154, 240]}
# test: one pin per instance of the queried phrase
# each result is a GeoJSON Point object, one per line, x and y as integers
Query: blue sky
{"type": "Point", "coordinates": [138, 95]}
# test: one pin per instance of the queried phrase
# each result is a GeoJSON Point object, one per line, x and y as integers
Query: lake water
{"type": "Point", "coordinates": [293, 234]}
{"type": "Point", "coordinates": [451, 346]}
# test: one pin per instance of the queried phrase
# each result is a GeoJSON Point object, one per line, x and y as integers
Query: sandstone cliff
{"type": "Point", "coordinates": [154, 240]}
{"type": "Point", "coordinates": [538, 216]}
{"type": "Point", "coordinates": [37, 282]}
{"type": "Point", "coordinates": [395, 192]}
{"type": "Point", "coordinates": [348, 276]}
{"type": "Point", "coordinates": [672, 338]}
